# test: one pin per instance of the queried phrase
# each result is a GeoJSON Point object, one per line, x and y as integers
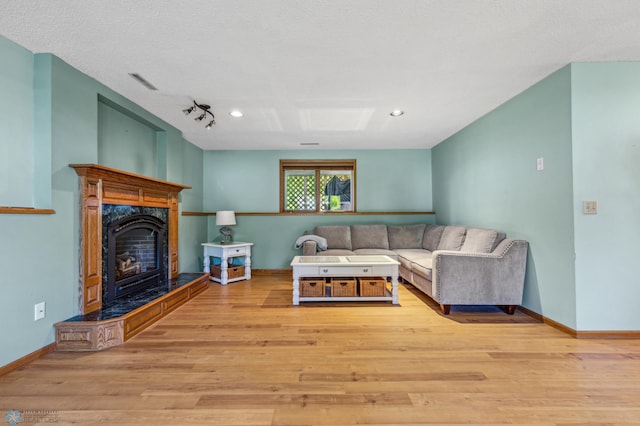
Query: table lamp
{"type": "Point", "coordinates": [225, 218]}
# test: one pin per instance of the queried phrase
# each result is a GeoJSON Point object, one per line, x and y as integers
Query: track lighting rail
{"type": "Point", "coordinates": [203, 111]}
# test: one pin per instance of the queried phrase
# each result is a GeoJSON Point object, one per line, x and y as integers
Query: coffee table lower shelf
{"type": "Point", "coordinates": [387, 298]}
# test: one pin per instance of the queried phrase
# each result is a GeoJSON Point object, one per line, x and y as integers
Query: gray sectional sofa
{"type": "Point", "coordinates": [454, 265]}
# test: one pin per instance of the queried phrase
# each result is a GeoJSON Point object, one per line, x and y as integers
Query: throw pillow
{"type": "Point", "coordinates": [452, 238]}
{"type": "Point", "coordinates": [432, 236]}
{"type": "Point", "coordinates": [479, 240]}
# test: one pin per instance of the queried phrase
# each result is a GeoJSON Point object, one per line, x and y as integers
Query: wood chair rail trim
{"type": "Point", "coordinates": [189, 213]}
{"type": "Point", "coordinates": [24, 210]}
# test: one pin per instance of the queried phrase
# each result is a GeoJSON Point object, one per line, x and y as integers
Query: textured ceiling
{"type": "Point", "coordinates": [324, 71]}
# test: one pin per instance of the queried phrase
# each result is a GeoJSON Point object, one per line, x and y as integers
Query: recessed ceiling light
{"type": "Point", "coordinates": [396, 113]}
{"type": "Point", "coordinates": [236, 113]}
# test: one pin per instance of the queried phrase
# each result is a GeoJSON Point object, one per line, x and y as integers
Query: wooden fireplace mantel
{"type": "Point", "coordinates": [103, 185]}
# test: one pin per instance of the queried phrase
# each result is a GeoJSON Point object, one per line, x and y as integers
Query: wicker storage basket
{"type": "Point", "coordinates": [232, 271]}
{"type": "Point", "coordinates": [372, 286]}
{"type": "Point", "coordinates": [312, 287]}
{"type": "Point", "coordinates": [343, 287]}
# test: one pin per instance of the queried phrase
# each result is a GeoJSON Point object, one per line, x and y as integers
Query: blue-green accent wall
{"type": "Point", "coordinates": [583, 121]}
{"type": "Point", "coordinates": [58, 113]}
{"type": "Point", "coordinates": [16, 122]}
{"type": "Point", "coordinates": [192, 228]}
{"type": "Point", "coordinates": [486, 176]}
{"type": "Point", "coordinates": [42, 132]}
{"type": "Point", "coordinates": [249, 181]}
{"type": "Point", "coordinates": [126, 142]}
{"type": "Point", "coordinates": [606, 159]}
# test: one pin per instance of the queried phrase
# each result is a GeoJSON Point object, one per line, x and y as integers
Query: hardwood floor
{"type": "Point", "coordinates": [243, 355]}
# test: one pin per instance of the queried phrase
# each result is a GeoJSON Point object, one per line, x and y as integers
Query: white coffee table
{"type": "Point", "coordinates": [345, 266]}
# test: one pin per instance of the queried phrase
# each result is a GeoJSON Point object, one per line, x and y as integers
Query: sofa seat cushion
{"type": "Point", "coordinates": [422, 267]}
{"type": "Point", "coordinates": [412, 254]}
{"type": "Point", "coordinates": [369, 237]}
{"type": "Point", "coordinates": [479, 240]}
{"type": "Point", "coordinates": [418, 261]}
{"type": "Point", "coordinates": [452, 238]}
{"type": "Point", "coordinates": [337, 236]}
{"type": "Point", "coordinates": [376, 252]}
{"type": "Point", "coordinates": [406, 263]}
{"type": "Point", "coordinates": [405, 236]}
{"type": "Point", "coordinates": [337, 252]}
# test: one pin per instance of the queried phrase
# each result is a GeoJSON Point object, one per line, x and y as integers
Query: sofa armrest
{"type": "Point", "coordinates": [309, 248]}
{"type": "Point", "coordinates": [495, 278]}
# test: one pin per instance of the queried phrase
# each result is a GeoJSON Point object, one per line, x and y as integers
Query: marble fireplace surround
{"type": "Point", "coordinates": [95, 329]}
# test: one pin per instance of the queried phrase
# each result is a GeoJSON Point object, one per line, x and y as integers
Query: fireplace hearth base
{"type": "Point", "coordinates": [117, 322]}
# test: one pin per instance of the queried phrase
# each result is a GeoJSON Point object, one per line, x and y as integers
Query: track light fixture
{"type": "Point", "coordinates": [205, 110]}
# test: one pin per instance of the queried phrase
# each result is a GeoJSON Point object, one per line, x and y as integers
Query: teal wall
{"type": "Point", "coordinates": [39, 253]}
{"type": "Point", "coordinates": [249, 181]}
{"type": "Point", "coordinates": [606, 159]}
{"type": "Point", "coordinates": [486, 176]}
{"type": "Point", "coordinates": [16, 122]}
{"type": "Point", "coordinates": [193, 229]}
{"type": "Point", "coordinates": [125, 141]}
{"type": "Point", "coordinates": [42, 131]}
{"type": "Point", "coordinates": [583, 119]}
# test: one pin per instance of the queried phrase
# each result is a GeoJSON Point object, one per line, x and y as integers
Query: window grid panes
{"type": "Point", "coordinates": [300, 193]}
{"type": "Point", "coordinates": [324, 186]}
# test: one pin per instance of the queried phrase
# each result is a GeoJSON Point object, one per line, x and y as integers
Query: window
{"type": "Point", "coordinates": [308, 186]}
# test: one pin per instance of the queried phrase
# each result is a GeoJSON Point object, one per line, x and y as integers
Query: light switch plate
{"type": "Point", "coordinates": [39, 311]}
{"type": "Point", "coordinates": [540, 164]}
{"type": "Point", "coordinates": [590, 207]}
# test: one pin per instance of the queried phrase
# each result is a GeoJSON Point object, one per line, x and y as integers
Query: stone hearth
{"type": "Point", "coordinates": [122, 319]}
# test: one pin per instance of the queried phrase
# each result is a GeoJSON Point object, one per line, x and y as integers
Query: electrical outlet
{"type": "Point", "coordinates": [540, 164]}
{"type": "Point", "coordinates": [39, 311]}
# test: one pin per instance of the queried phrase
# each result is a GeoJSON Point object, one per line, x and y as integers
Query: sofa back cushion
{"type": "Point", "coordinates": [369, 236]}
{"type": "Point", "coordinates": [452, 238]}
{"type": "Point", "coordinates": [405, 236]}
{"type": "Point", "coordinates": [501, 236]}
{"type": "Point", "coordinates": [432, 236]}
{"type": "Point", "coordinates": [337, 236]}
{"type": "Point", "coordinates": [479, 240]}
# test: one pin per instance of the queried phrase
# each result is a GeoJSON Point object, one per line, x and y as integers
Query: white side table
{"type": "Point", "coordinates": [225, 252]}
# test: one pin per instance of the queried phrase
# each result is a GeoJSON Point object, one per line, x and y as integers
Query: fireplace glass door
{"type": "Point", "coordinates": [134, 250]}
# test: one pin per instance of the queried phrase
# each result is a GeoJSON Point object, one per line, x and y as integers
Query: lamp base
{"type": "Point", "coordinates": [225, 231]}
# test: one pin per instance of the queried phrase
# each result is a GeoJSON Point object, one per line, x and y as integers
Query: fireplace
{"type": "Point", "coordinates": [107, 194]}
{"type": "Point", "coordinates": [134, 250]}
{"type": "Point", "coordinates": [128, 231]}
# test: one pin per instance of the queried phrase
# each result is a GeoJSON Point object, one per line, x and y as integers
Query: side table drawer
{"type": "Point", "coordinates": [327, 271]}
{"type": "Point", "coordinates": [237, 251]}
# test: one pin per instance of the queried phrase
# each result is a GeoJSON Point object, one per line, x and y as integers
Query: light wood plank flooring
{"type": "Point", "coordinates": [243, 355]}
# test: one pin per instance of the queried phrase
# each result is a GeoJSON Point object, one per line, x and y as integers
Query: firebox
{"type": "Point", "coordinates": [134, 252]}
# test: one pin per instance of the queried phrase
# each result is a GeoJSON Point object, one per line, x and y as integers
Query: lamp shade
{"type": "Point", "coordinates": [225, 218]}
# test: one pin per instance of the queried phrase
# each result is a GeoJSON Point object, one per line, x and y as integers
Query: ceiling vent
{"type": "Point", "coordinates": [140, 79]}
